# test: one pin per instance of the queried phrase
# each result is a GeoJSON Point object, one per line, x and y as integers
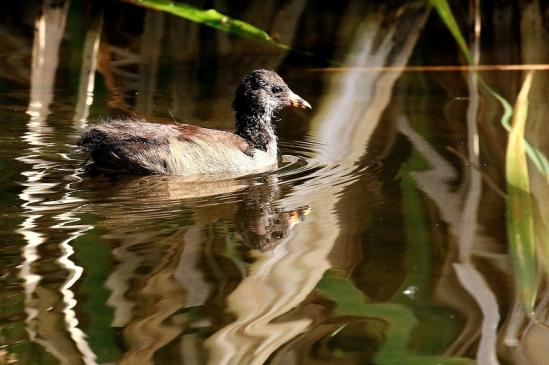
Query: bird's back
{"type": "Point", "coordinates": [140, 147]}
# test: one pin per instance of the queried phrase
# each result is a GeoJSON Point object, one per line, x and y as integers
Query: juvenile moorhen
{"type": "Point", "coordinates": [140, 147]}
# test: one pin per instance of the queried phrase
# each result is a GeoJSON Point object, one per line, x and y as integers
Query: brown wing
{"type": "Point", "coordinates": [189, 132]}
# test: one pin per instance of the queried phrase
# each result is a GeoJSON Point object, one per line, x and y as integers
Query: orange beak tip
{"type": "Point", "coordinates": [305, 105]}
{"type": "Point", "coordinates": [300, 104]}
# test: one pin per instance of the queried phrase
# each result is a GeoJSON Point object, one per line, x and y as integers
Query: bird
{"type": "Point", "coordinates": [139, 147]}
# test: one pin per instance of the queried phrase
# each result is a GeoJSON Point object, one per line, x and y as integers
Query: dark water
{"type": "Point", "coordinates": [380, 239]}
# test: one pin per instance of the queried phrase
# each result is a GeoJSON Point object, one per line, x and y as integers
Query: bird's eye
{"type": "Point", "coordinates": [276, 89]}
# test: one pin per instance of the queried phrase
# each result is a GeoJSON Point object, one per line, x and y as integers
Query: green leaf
{"type": "Point", "coordinates": [536, 156]}
{"type": "Point", "coordinates": [445, 13]}
{"type": "Point", "coordinates": [520, 215]}
{"type": "Point", "coordinates": [210, 17]}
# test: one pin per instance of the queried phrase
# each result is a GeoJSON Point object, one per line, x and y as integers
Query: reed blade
{"type": "Point", "coordinates": [520, 214]}
{"type": "Point", "coordinates": [209, 17]}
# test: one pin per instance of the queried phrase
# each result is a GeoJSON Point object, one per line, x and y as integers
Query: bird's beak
{"type": "Point", "coordinates": [298, 102]}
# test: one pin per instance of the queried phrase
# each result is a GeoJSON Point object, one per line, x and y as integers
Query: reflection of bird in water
{"type": "Point", "coordinates": [139, 147]}
{"type": "Point", "coordinates": [260, 222]}
{"type": "Point", "coordinates": [159, 190]}
{"type": "Point", "coordinates": [252, 201]}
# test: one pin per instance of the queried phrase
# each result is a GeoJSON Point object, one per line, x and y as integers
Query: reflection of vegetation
{"type": "Point", "coordinates": [399, 318]}
{"type": "Point", "coordinates": [520, 213]}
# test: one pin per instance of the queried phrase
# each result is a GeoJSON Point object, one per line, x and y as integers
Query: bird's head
{"type": "Point", "coordinates": [265, 91]}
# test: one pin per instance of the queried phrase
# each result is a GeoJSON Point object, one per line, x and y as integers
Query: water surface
{"type": "Point", "coordinates": [380, 239]}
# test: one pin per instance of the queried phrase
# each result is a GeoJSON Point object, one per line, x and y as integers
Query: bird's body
{"type": "Point", "coordinates": [140, 147]}
{"type": "Point", "coordinates": [143, 148]}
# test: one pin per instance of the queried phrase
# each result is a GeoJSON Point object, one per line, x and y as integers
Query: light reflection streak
{"type": "Point", "coordinates": [118, 283]}
{"type": "Point", "coordinates": [150, 327]}
{"type": "Point", "coordinates": [467, 227]}
{"type": "Point", "coordinates": [87, 72]}
{"type": "Point", "coordinates": [49, 31]}
{"type": "Point", "coordinates": [75, 273]}
{"type": "Point", "coordinates": [186, 273]}
{"type": "Point", "coordinates": [461, 223]}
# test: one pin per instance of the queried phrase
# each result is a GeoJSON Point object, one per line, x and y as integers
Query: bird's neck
{"type": "Point", "coordinates": [256, 128]}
